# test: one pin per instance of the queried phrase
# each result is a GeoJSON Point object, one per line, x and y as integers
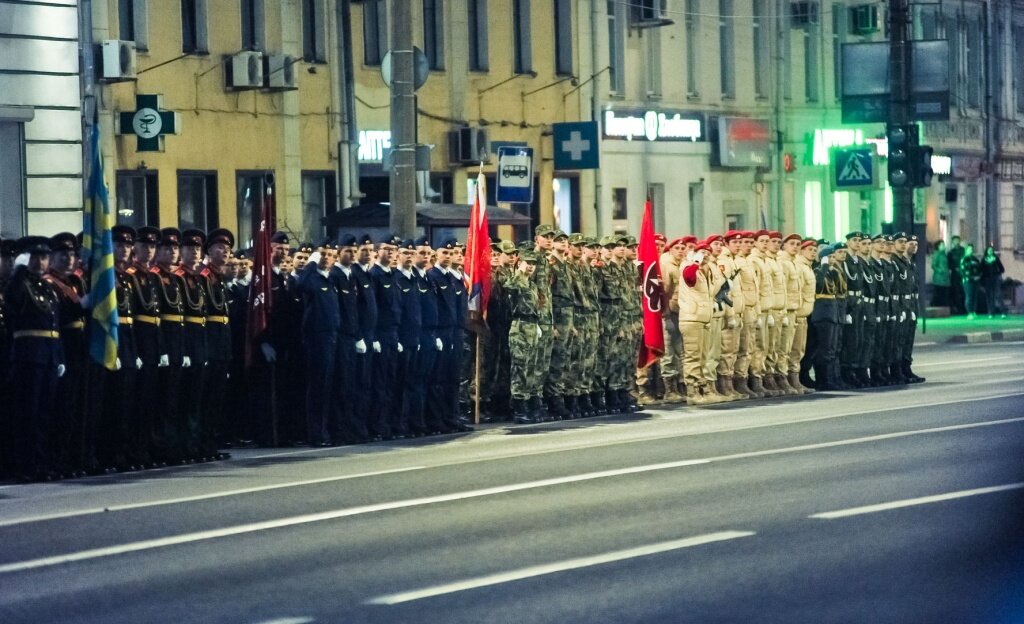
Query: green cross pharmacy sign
{"type": "Point", "coordinates": [149, 123]}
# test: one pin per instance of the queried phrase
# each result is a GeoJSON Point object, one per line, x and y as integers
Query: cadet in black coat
{"type": "Point", "coordinates": [216, 432]}
{"type": "Point", "coordinates": [120, 425]}
{"type": "Point", "coordinates": [36, 359]}
{"type": "Point", "coordinates": [367, 327]}
{"type": "Point", "coordinates": [430, 345]}
{"type": "Point", "coordinates": [409, 336]}
{"type": "Point", "coordinates": [321, 320]}
{"type": "Point", "coordinates": [347, 424]}
{"type": "Point", "coordinates": [171, 431]}
{"type": "Point", "coordinates": [825, 319]}
{"type": "Point", "coordinates": [386, 418]}
{"type": "Point", "coordinates": [148, 338]}
{"type": "Point", "coordinates": [444, 390]}
{"type": "Point", "coordinates": [193, 376]}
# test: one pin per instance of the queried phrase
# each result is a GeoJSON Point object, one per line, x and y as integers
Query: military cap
{"type": "Point", "coordinates": [825, 251]}
{"type": "Point", "coordinates": [347, 240]}
{"type": "Point", "coordinates": [747, 234]}
{"type": "Point", "coordinates": [529, 256]}
{"type": "Point", "coordinates": [689, 239]}
{"type": "Point", "coordinates": [591, 241]}
{"type": "Point", "coordinates": [607, 241]}
{"type": "Point", "coordinates": [193, 238]}
{"type": "Point", "coordinates": [621, 240]}
{"type": "Point", "coordinates": [494, 244]}
{"type": "Point", "coordinates": [703, 246]}
{"type": "Point", "coordinates": [448, 243]}
{"type": "Point", "coordinates": [220, 236]}
{"type": "Point", "coordinates": [280, 237]}
{"type": "Point", "coordinates": [556, 234]}
{"type": "Point", "coordinates": [913, 238]}
{"type": "Point", "coordinates": [507, 247]}
{"type": "Point", "coordinates": [123, 234]}
{"type": "Point", "coordinates": [422, 241]}
{"type": "Point", "coordinates": [855, 234]}
{"type": "Point", "coordinates": [899, 235]}
{"type": "Point", "coordinates": [306, 248]}
{"type": "Point", "coordinates": [732, 235]}
{"type": "Point", "coordinates": [543, 230]}
{"type": "Point", "coordinates": [790, 237]}
{"type": "Point", "coordinates": [388, 239]}
{"type": "Point", "coordinates": [8, 248]}
{"type": "Point", "coordinates": [888, 238]}
{"type": "Point", "coordinates": [631, 241]}
{"type": "Point", "coordinates": [408, 244]}
{"type": "Point", "coordinates": [524, 245]}
{"type": "Point", "coordinates": [838, 246]}
{"type": "Point", "coordinates": [170, 237]}
{"type": "Point", "coordinates": [712, 238]}
{"type": "Point", "coordinates": [824, 241]}
{"type": "Point", "coordinates": [672, 243]}
{"type": "Point", "coordinates": [147, 234]}
{"type": "Point", "coordinates": [775, 234]}
{"type": "Point", "coordinates": [878, 237]}
{"type": "Point", "coordinates": [364, 239]}
{"type": "Point", "coordinates": [659, 237]}
{"type": "Point", "coordinates": [808, 242]}
{"type": "Point", "coordinates": [65, 241]}
{"type": "Point", "coordinates": [243, 254]}
{"type": "Point", "coordinates": [760, 233]}
{"type": "Point", "coordinates": [33, 245]}
{"type": "Point", "coordinates": [328, 243]}
{"type": "Point", "coordinates": [577, 239]}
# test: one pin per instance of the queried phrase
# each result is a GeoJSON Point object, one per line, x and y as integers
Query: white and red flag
{"type": "Point", "coordinates": [653, 345]}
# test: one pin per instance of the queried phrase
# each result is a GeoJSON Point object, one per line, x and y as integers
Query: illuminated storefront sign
{"type": "Point", "coordinates": [652, 125]}
{"type": "Point", "coordinates": [372, 144]}
{"type": "Point", "coordinates": [826, 139]}
{"type": "Point", "coordinates": [744, 142]}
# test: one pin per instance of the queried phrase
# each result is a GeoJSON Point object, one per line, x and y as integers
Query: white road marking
{"type": "Point", "coordinates": [910, 502]}
{"type": "Point", "coordinates": [956, 364]}
{"type": "Point", "coordinates": [199, 497]}
{"type": "Point", "coordinates": [560, 566]}
{"type": "Point", "coordinates": [288, 620]}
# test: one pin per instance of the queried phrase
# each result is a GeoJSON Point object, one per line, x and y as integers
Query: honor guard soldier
{"type": "Point", "coordinates": [148, 338]}
{"type": "Point", "coordinates": [193, 376]}
{"type": "Point", "coordinates": [120, 427]}
{"type": "Point", "coordinates": [346, 425]}
{"type": "Point", "coordinates": [172, 427]}
{"type": "Point", "coordinates": [385, 414]}
{"type": "Point", "coordinates": [910, 332]}
{"type": "Point", "coordinates": [218, 343]}
{"type": "Point", "coordinates": [273, 357]}
{"type": "Point", "coordinates": [68, 434]}
{"type": "Point", "coordinates": [294, 428]}
{"type": "Point", "coordinates": [367, 329]}
{"type": "Point", "coordinates": [409, 337]}
{"type": "Point", "coordinates": [829, 286]}
{"type": "Point", "coordinates": [524, 335]}
{"type": "Point", "coordinates": [320, 323]}
{"type": "Point", "coordinates": [431, 346]}
{"type": "Point", "coordinates": [444, 388]}
{"type": "Point", "coordinates": [36, 360]}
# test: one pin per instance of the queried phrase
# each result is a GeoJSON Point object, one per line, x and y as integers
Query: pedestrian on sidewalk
{"type": "Point", "coordinates": [970, 274]}
{"type": "Point", "coordinates": [992, 281]}
{"type": "Point", "coordinates": [940, 275]}
{"type": "Point", "coordinates": [957, 295]}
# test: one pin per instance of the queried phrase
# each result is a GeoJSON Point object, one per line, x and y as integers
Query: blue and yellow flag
{"type": "Point", "coordinates": [99, 244]}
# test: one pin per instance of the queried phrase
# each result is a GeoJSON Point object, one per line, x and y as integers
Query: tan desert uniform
{"type": "Point", "coordinates": [765, 298]}
{"type": "Point", "coordinates": [733, 325]}
{"type": "Point", "coordinates": [713, 333]}
{"type": "Point", "coordinates": [749, 284]}
{"type": "Point", "coordinates": [772, 365]}
{"type": "Point", "coordinates": [807, 283]}
{"type": "Point", "coordinates": [672, 361]}
{"type": "Point", "coordinates": [695, 314]}
{"type": "Point", "coordinates": [792, 276]}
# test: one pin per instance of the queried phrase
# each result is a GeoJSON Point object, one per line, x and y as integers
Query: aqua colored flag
{"type": "Point", "coordinates": [99, 245]}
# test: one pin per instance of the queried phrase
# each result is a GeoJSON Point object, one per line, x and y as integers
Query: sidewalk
{"type": "Point", "coordinates": [958, 329]}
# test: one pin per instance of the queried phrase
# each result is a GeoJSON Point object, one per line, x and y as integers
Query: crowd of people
{"type": "Point", "coordinates": [372, 339]}
{"type": "Point", "coordinates": [963, 282]}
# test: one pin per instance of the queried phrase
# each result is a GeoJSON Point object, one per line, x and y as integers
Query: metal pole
{"type": "Point", "coordinates": [476, 383]}
{"type": "Point", "coordinates": [403, 122]}
{"type": "Point", "coordinates": [348, 145]}
{"type": "Point", "coordinates": [781, 54]}
{"type": "Point", "coordinates": [899, 102]}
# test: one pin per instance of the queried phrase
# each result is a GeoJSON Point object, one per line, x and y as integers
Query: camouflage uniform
{"type": "Point", "coordinates": [541, 280]}
{"type": "Point", "coordinates": [524, 337]}
{"type": "Point", "coordinates": [563, 299]}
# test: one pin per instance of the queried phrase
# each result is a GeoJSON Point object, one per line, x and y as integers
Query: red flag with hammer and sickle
{"type": "Point", "coordinates": [653, 345]}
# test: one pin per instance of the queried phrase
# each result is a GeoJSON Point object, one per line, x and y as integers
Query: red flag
{"type": "Point", "coordinates": [653, 345]}
{"type": "Point", "coordinates": [260, 301]}
{"type": "Point", "coordinates": [478, 252]}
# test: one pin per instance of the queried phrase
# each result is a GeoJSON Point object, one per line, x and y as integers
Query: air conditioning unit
{"type": "Point", "coordinates": [118, 60]}
{"type": "Point", "coordinates": [864, 19]}
{"type": "Point", "coordinates": [245, 71]}
{"type": "Point", "coordinates": [468, 146]}
{"type": "Point", "coordinates": [279, 72]}
{"type": "Point", "coordinates": [803, 14]}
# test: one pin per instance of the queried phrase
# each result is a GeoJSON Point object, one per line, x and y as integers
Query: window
{"type": "Point", "coordinates": [318, 201]}
{"type": "Point", "coordinates": [251, 187]}
{"type": "Point", "coordinates": [619, 205]}
{"type": "Point", "coordinates": [478, 59]}
{"type": "Point", "coordinates": [131, 22]}
{"type": "Point", "coordinates": [1018, 217]}
{"type": "Point", "coordinates": [521, 37]}
{"type": "Point", "coordinates": [975, 60]}
{"type": "Point", "coordinates": [138, 198]}
{"type": "Point", "coordinates": [197, 200]}
{"type": "Point", "coordinates": [726, 68]}
{"type": "Point", "coordinates": [653, 62]}
{"type": "Point", "coordinates": [12, 180]}
{"type": "Point", "coordinates": [563, 37]}
{"type": "Point", "coordinates": [193, 27]}
{"type": "Point", "coordinates": [839, 26]}
{"type": "Point", "coordinates": [433, 33]}
{"type": "Point", "coordinates": [616, 44]}
{"type": "Point", "coordinates": [762, 49]}
{"type": "Point", "coordinates": [1018, 77]}
{"type": "Point", "coordinates": [375, 31]}
{"type": "Point", "coordinates": [253, 25]}
{"type": "Point", "coordinates": [812, 54]}
{"type": "Point", "coordinates": [314, 37]}
{"type": "Point", "coordinates": [951, 22]}
{"type": "Point", "coordinates": [692, 45]}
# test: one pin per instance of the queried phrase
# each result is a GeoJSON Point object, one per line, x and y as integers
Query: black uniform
{"type": "Point", "coordinates": [853, 332]}
{"type": "Point", "coordinates": [218, 362]}
{"type": "Point", "coordinates": [367, 332]}
{"type": "Point", "coordinates": [409, 335]}
{"type": "Point", "coordinates": [444, 387]}
{"type": "Point", "coordinates": [192, 376]}
{"type": "Point", "coordinates": [320, 322]}
{"type": "Point", "coordinates": [346, 423]}
{"type": "Point", "coordinates": [422, 374]}
{"type": "Point", "coordinates": [149, 346]}
{"type": "Point", "coordinates": [68, 436]}
{"type": "Point", "coordinates": [825, 319]}
{"type": "Point", "coordinates": [171, 431]}
{"type": "Point", "coordinates": [386, 416]}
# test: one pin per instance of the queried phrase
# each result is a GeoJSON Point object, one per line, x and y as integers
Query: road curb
{"type": "Point", "coordinates": [981, 337]}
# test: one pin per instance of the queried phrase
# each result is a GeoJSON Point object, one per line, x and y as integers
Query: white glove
{"type": "Point", "coordinates": [22, 260]}
{"type": "Point", "coordinates": [785, 321]}
{"type": "Point", "coordinates": [400, 348]}
{"type": "Point", "coordinates": [269, 354]}
{"type": "Point", "coordinates": [849, 319]}
{"type": "Point", "coordinates": [186, 362]}
{"type": "Point", "coordinates": [878, 319]}
{"type": "Point", "coordinates": [771, 320]}
{"type": "Point", "coordinates": [164, 361]}
{"type": "Point", "coordinates": [903, 316]}
{"type": "Point", "coordinates": [314, 257]}
{"type": "Point", "coordinates": [913, 316]}
{"type": "Point", "coordinates": [60, 370]}
{"type": "Point", "coordinates": [360, 346]}
{"type": "Point", "coordinates": [376, 346]}
{"type": "Point", "coordinates": [824, 260]}
{"type": "Point", "coordinates": [689, 256]}
{"type": "Point", "coordinates": [732, 323]}
{"type": "Point", "coordinates": [760, 323]}
{"type": "Point", "coordinates": [117, 364]}
{"type": "Point", "coordinates": [85, 301]}
{"type": "Point", "coordinates": [438, 344]}
{"type": "Point", "coordinates": [138, 363]}
{"type": "Point", "coordinates": [539, 332]}
{"type": "Point", "coordinates": [417, 348]}
{"type": "Point", "coordinates": [698, 257]}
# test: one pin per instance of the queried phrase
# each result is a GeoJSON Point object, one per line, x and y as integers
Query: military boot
{"type": "Point", "coordinates": [646, 397]}
{"type": "Point", "coordinates": [711, 394]}
{"type": "Point", "coordinates": [586, 409]}
{"type": "Point", "coordinates": [782, 384]}
{"type": "Point", "coordinates": [692, 396]}
{"type": "Point", "coordinates": [756, 387]}
{"type": "Point", "coordinates": [794, 380]}
{"type": "Point", "coordinates": [537, 411]}
{"type": "Point", "coordinates": [909, 374]}
{"type": "Point", "coordinates": [733, 391]}
{"type": "Point", "coordinates": [572, 404]}
{"type": "Point", "coordinates": [722, 389]}
{"type": "Point", "coordinates": [597, 400]}
{"type": "Point", "coordinates": [862, 377]}
{"type": "Point", "coordinates": [739, 383]}
{"type": "Point", "coordinates": [556, 408]}
{"type": "Point", "coordinates": [805, 377]}
{"type": "Point", "coordinates": [612, 402]}
{"type": "Point", "coordinates": [520, 414]}
{"type": "Point", "coordinates": [672, 393]}
{"type": "Point", "coordinates": [628, 401]}
{"type": "Point", "coordinates": [770, 390]}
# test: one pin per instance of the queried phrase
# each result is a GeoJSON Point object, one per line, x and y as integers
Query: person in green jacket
{"type": "Point", "coordinates": [940, 275]}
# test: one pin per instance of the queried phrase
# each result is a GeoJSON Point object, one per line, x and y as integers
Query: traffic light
{"type": "Point", "coordinates": [901, 144]}
{"type": "Point", "coordinates": [921, 166]}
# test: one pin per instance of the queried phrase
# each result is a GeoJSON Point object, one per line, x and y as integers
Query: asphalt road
{"type": "Point", "coordinates": [900, 505]}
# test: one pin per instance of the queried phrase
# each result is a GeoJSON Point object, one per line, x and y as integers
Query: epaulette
{"type": "Point", "coordinates": [180, 271]}
{"type": "Point", "coordinates": [79, 272]}
{"type": "Point", "coordinates": [205, 272]}
{"type": "Point", "coordinates": [154, 269]}
{"type": "Point", "coordinates": [130, 270]}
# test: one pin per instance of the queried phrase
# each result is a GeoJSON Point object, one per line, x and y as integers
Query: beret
{"type": "Point", "coordinates": [347, 240]}
{"type": "Point", "coordinates": [280, 237]}
{"type": "Point", "coordinates": [790, 237]}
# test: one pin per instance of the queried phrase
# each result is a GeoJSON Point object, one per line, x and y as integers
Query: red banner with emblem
{"type": "Point", "coordinates": [260, 301]}
{"type": "Point", "coordinates": [653, 345]}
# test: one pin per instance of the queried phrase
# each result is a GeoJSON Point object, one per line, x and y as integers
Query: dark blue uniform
{"type": "Point", "coordinates": [68, 434]}
{"type": "Point", "coordinates": [172, 427]}
{"type": "Point", "coordinates": [409, 335]}
{"type": "Point", "coordinates": [368, 332]}
{"type": "Point", "coordinates": [422, 374]}
{"type": "Point", "coordinates": [320, 323]}
{"type": "Point", "coordinates": [445, 381]}
{"type": "Point", "coordinates": [346, 423]}
{"type": "Point", "coordinates": [386, 419]}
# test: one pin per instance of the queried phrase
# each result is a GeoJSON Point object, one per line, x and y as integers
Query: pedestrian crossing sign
{"type": "Point", "coordinates": [854, 168]}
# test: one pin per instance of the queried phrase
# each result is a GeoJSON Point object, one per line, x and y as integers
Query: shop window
{"type": "Point", "coordinates": [138, 198]}
{"type": "Point", "coordinates": [197, 200]}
